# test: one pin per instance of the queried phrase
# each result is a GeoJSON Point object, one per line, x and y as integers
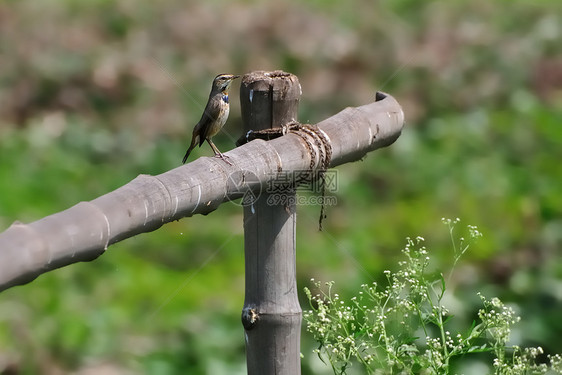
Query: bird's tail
{"type": "Point", "coordinates": [188, 152]}
{"type": "Point", "coordinates": [194, 141]}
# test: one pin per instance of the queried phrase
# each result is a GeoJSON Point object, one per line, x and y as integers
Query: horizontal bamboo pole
{"type": "Point", "coordinates": [83, 232]}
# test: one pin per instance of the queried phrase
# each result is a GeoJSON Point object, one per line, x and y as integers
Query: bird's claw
{"type": "Point", "coordinates": [224, 157]}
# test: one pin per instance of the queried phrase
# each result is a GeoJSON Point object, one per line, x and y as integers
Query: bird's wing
{"type": "Point", "coordinates": [210, 115]}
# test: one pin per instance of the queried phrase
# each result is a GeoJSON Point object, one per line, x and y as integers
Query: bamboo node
{"type": "Point", "coordinates": [249, 317]}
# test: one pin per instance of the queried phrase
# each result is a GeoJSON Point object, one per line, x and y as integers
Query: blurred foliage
{"type": "Point", "coordinates": [89, 88]}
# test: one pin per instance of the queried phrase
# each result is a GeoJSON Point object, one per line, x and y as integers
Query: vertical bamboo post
{"type": "Point", "coordinates": [271, 315]}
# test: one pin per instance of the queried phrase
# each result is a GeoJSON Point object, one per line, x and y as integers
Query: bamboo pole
{"type": "Point", "coordinates": [83, 232]}
{"type": "Point", "coordinates": [271, 315]}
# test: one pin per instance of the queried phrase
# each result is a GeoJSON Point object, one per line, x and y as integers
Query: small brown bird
{"type": "Point", "coordinates": [214, 116]}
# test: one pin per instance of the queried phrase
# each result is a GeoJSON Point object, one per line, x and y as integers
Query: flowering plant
{"type": "Point", "coordinates": [401, 328]}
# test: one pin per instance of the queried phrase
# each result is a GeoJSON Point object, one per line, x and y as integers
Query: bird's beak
{"type": "Point", "coordinates": [234, 77]}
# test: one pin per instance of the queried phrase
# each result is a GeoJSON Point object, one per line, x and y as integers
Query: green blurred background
{"type": "Point", "coordinates": [93, 93]}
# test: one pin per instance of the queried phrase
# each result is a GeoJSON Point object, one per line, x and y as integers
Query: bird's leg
{"type": "Point", "coordinates": [218, 154]}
